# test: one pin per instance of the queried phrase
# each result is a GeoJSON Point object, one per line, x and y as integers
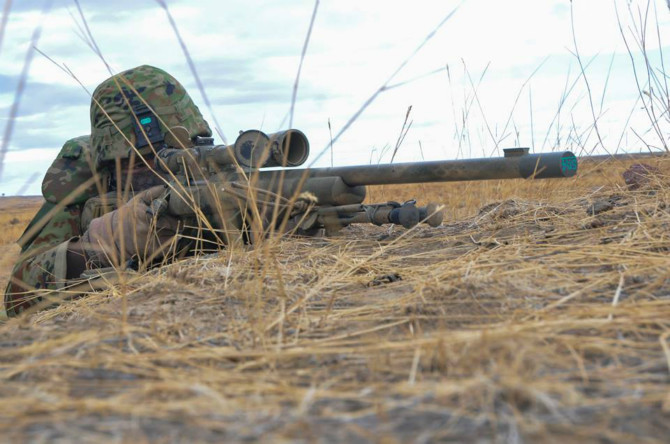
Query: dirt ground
{"type": "Point", "coordinates": [541, 315]}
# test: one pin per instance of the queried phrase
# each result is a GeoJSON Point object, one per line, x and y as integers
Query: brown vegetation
{"type": "Point", "coordinates": [15, 214]}
{"type": "Point", "coordinates": [537, 311]}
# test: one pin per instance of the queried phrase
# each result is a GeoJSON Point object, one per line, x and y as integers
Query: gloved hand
{"type": "Point", "coordinates": [128, 231]}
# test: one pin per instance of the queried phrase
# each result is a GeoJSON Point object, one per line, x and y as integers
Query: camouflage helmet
{"type": "Point", "coordinates": [119, 116]}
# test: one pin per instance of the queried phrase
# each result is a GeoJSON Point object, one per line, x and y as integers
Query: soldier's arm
{"type": "Point", "coordinates": [48, 259]}
{"type": "Point", "coordinates": [61, 253]}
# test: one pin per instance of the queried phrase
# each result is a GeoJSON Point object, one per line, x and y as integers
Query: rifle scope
{"type": "Point", "coordinates": [252, 149]}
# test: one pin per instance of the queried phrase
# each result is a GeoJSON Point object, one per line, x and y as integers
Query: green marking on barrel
{"type": "Point", "coordinates": [568, 164]}
{"type": "Point", "coordinates": [145, 120]}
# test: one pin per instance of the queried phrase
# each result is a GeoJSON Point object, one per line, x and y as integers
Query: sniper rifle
{"type": "Point", "coordinates": [253, 185]}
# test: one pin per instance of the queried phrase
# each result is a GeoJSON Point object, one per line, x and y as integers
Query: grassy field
{"type": "Point", "coordinates": [537, 312]}
{"type": "Point", "coordinates": [15, 214]}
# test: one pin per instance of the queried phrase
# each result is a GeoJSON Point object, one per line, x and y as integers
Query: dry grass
{"type": "Point", "coordinates": [537, 312]}
{"type": "Point", "coordinates": [15, 214]}
{"type": "Point", "coordinates": [532, 319]}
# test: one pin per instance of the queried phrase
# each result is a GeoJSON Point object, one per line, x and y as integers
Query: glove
{"type": "Point", "coordinates": [130, 231]}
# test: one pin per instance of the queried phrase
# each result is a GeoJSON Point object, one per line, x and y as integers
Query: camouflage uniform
{"type": "Point", "coordinates": [81, 171]}
{"type": "Point", "coordinates": [42, 264]}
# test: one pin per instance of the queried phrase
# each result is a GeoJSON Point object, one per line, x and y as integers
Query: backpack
{"type": "Point", "coordinates": [73, 175]}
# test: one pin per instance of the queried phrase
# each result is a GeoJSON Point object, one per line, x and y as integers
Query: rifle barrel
{"type": "Point", "coordinates": [538, 166]}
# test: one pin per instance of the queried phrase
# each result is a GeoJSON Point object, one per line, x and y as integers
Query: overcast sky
{"type": "Point", "coordinates": [496, 74]}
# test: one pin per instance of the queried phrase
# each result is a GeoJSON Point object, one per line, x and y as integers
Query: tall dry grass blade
{"type": "Point", "coordinates": [415, 78]}
{"type": "Point", "coordinates": [586, 80]}
{"type": "Point", "coordinates": [28, 183]}
{"type": "Point", "coordinates": [663, 339]}
{"type": "Point", "coordinates": [641, 92]}
{"type": "Point", "coordinates": [565, 94]}
{"type": "Point", "coordinates": [531, 114]}
{"type": "Point", "coordinates": [662, 72]}
{"type": "Point", "coordinates": [294, 95]}
{"type": "Point", "coordinates": [3, 20]}
{"type": "Point", "coordinates": [607, 81]}
{"type": "Point", "coordinates": [193, 69]}
{"type": "Point", "coordinates": [384, 85]}
{"type": "Point", "coordinates": [330, 133]}
{"type": "Point", "coordinates": [89, 39]}
{"type": "Point", "coordinates": [81, 30]}
{"type": "Point", "coordinates": [475, 98]}
{"type": "Point", "coordinates": [516, 101]}
{"type": "Point", "coordinates": [23, 79]}
{"type": "Point", "coordinates": [463, 135]}
{"type": "Point", "coordinates": [403, 132]}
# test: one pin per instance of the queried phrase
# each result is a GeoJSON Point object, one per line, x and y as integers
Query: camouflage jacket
{"type": "Point", "coordinates": [42, 266]}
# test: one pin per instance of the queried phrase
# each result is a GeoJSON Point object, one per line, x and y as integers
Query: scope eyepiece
{"type": "Point", "coordinates": [251, 149]}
